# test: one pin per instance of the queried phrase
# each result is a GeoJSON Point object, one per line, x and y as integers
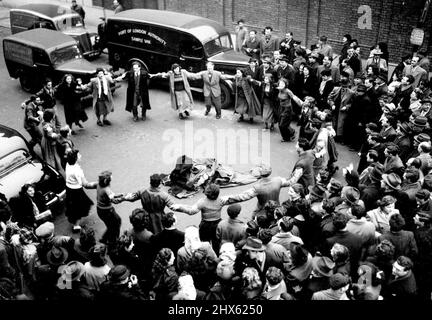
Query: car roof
{"type": "Point", "coordinates": [42, 38]}
{"type": "Point", "coordinates": [49, 10]}
{"type": "Point", "coordinates": [186, 22]}
{"type": "Point", "coordinates": [15, 140]}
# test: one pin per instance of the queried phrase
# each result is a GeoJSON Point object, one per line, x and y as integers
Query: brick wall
{"type": "Point", "coordinates": [392, 20]}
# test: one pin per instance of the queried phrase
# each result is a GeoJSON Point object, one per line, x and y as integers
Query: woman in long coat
{"type": "Point", "coordinates": [180, 92]}
{"type": "Point", "coordinates": [268, 100]}
{"type": "Point", "coordinates": [246, 101]}
{"type": "Point", "coordinates": [69, 93]}
{"type": "Point", "coordinates": [49, 141]}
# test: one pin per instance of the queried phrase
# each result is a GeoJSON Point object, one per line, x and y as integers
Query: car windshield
{"type": "Point", "coordinates": [220, 44]}
{"type": "Point", "coordinates": [65, 54]}
{"type": "Point", "coordinates": [12, 160]}
{"type": "Point", "coordinates": [69, 23]}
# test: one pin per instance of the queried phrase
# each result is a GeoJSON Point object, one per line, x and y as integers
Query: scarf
{"type": "Point", "coordinates": [105, 86]}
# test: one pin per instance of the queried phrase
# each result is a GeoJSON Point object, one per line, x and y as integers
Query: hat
{"type": "Point", "coordinates": [392, 180]}
{"type": "Point", "coordinates": [372, 126]}
{"type": "Point", "coordinates": [422, 137]}
{"type": "Point", "coordinates": [323, 265]}
{"type": "Point", "coordinates": [352, 195]}
{"type": "Point", "coordinates": [338, 281]}
{"type": "Point", "coordinates": [335, 185]}
{"type": "Point", "coordinates": [119, 273]}
{"type": "Point", "coordinates": [404, 126]}
{"type": "Point", "coordinates": [422, 194]}
{"type": "Point", "coordinates": [283, 58]}
{"type": "Point", "coordinates": [57, 256]}
{"type": "Point", "coordinates": [73, 271]}
{"type": "Point", "coordinates": [254, 244]}
{"type": "Point", "coordinates": [361, 88]}
{"type": "Point", "coordinates": [420, 121]}
{"type": "Point", "coordinates": [376, 173]}
{"type": "Point", "coordinates": [318, 191]}
{"type": "Point", "coordinates": [45, 230]}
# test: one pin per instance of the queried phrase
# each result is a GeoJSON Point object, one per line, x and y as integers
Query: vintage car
{"type": "Point", "coordinates": [160, 38]}
{"type": "Point", "coordinates": [19, 165]}
{"type": "Point", "coordinates": [34, 55]}
{"type": "Point", "coordinates": [55, 17]}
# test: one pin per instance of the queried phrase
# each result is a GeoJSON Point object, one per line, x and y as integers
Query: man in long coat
{"type": "Point", "coordinates": [340, 100]}
{"type": "Point", "coordinates": [137, 92]}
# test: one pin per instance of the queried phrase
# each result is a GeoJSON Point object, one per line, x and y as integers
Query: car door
{"type": "Point", "coordinates": [191, 57]}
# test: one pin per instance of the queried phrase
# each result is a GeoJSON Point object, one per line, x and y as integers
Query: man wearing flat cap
{"type": "Point", "coordinates": [403, 140]}
{"type": "Point", "coordinates": [380, 84]}
{"type": "Point", "coordinates": [287, 71]}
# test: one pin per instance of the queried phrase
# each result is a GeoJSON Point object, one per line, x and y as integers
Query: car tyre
{"type": "Point", "coordinates": [226, 97]}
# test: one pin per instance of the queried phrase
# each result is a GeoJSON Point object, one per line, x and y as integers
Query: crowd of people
{"type": "Point", "coordinates": [368, 237]}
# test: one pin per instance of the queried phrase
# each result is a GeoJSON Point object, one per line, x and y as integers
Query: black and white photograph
{"type": "Point", "coordinates": [228, 152]}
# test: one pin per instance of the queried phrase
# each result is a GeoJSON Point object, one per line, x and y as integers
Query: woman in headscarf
{"type": "Point", "coordinates": [181, 95]}
{"type": "Point", "coordinates": [164, 275]}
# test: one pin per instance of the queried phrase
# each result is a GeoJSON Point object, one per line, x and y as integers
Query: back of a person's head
{"type": "Point", "coordinates": [397, 222]}
{"type": "Point", "coordinates": [212, 191]}
{"type": "Point", "coordinates": [168, 220]}
{"type": "Point", "coordinates": [338, 281]}
{"type": "Point", "coordinates": [385, 250]}
{"type": "Point", "coordinates": [155, 180]}
{"type": "Point", "coordinates": [358, 211]}
{"type": "Point", "coordinates": [340, 221]}
{"type": "Point", "coordinates": [286, 224]}
{"type": "Point", "coordinates": [304, 144]}
{"type": "Point", "coordinates": [265, 235]}
{"type": "Point", "coordinates": [87, 238]}
{"type": "Point", "coordinates": [72, 157]}
{"type": "Point", "coordinates": [263, 221]}
{"type": "Point", "coordinates": [139, 219]}
{"type": "Point", "coordinates": [328, 206]}
{"type": "Point", "coordinates": [98, 255]}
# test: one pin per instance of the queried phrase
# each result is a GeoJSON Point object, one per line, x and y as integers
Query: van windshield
{"type": "Point", "coordinates": [65, 54]}
{"type": "Point", "coordinates": [220, 44]}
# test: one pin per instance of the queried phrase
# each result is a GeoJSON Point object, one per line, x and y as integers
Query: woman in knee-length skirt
{"type": "Point", "coordinates": [78, 204]}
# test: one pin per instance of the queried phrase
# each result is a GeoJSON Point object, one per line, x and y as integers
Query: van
{"type": "Point", "coordinates": [159, 39]}
{"type": "Point", "coordinates": [55, 17]}
{"type": "Point", "coordinates": [34, 55]}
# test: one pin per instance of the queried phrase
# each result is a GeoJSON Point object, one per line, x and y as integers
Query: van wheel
{"type": "Point", "coordinates": [226, 97]}
{"type": "Point", "coordinates": [27, 83]}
